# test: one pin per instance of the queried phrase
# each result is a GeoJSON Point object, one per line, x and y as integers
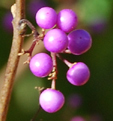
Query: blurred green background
{"type": "Point", "coordinates": [95, 97]}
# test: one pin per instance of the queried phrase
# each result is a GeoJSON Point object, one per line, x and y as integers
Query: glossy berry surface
{"type": "Point", "coordinates": [46, 17]}
{"type": "Point", "coordinates": [55, 40]}
{"type": "Point", "coordinates": [41, 65]}
{"type": "Point", "coordinates": [51, 100]}
{"type": "Point", "coordinates": [67, 20]}
{"type": "Point", "coordinates": [80, 41]}
{"type": "Point", "coordinates": [78, 74]}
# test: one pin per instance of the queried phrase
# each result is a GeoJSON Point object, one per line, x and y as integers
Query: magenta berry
{"type": "Point", "coordinates": [51, 100]}
{"type": "Point", "coordinates": [77, 118]}
{"type": "Point", "coordinates": [35, 5]}
{"type": "Point", "coordinates": [78, 74]}
{"type": "Point", "coordinates": [7, 22]}
{"type": "Point", "coordinates": [79, 41]}
{"type": "Point", "coordinates": [55, 40]}
{"type": "Point", "coordinates": [74, 100]}
{"type": "Point", "coordinates": [46, 17]}
{"type": "Point", "coordinates": [67, 20]}
{"type": "Point", "coordinates": [41, 65]}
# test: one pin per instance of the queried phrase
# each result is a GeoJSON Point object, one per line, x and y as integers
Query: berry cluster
{"type": "Point", "coordinates": [61, 38]}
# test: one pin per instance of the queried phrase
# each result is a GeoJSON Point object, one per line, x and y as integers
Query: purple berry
{"type": "Point", "coordinates": [51, 100]}
{"type": "Point", "coordinates": [96, 117]}
{"type": "Point", "coordinates": [79, 41]}
{"type": "Point", "coordinates": [7, 22]}
{"type": "Point", "coordinates": [78, 74]}
{"type": "Point", "coordinates": [67, 20]}
{"type": "Point", "coordinates": [78, 118]}
{"type": "Point", "coordinates": [46, 17]}
{"type": "Point", "coordinates": [41, 65]}
{"type": "Point", "coordinates": [98, 26]}
{"type": "Point", "coordinates": [35, 5]}
{"type": "Point", "coordinates": [55, 40]}
{"type": "Point", "coordinates": [74, 100]}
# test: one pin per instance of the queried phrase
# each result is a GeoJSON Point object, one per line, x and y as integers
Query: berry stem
{"type": "Point", "coordinates": [53, 84]}
{"type": "Point", "coordinates": [29, 51]}
{"type": "Point", "coordinates": [22, 23]}
{"type": "Point", "coordinates": [18, 11]}
{"type": "Point", "coordinates": [53, 55]}
{"type": "Point", "coordinates": [54, 71]}
{"type": "Point", "coordinates": [36, 36]}
{"type": "Point", "coordinates": [36, 114]}
{"type": "Point", "coordinates": [69, 64]}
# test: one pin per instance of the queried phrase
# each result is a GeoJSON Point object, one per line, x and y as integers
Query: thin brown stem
{"type": "Point", "coordinates": [54, 71]}
{"type": "Point", "coordinates": [53, 55]}
{"type": "Point", "coordinates": [30, 50]}
{"type": "Point", "coordinates": [36, 114]}
{"type": "Point", "coordinates": [22, 23]}
{"type": "Point", "coordinates": [53, 84]}
{"type": "Point", "coordinates": [69, 64]}
{"type": "Point", "coordinates": [36, 39]}
{"type": "Point", "coordinates": [18, 13]}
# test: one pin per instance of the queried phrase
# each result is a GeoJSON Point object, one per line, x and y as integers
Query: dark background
{"type": "Point", "coordinates": [95, 16]}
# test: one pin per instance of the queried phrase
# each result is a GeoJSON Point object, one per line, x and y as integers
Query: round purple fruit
{"type": "Point", "coordinates": [46, 17]}
{"type": "Point", "coordinates": [55, 41]}
{"type": "Point", "coordinates": [51, 100]}
{"type": "Point", "coordinates": [67, 20]}
{"type": "Point", "coordinates": [41, 65]}
{"type": "Point", "coordinates": [78, 74]}
{"type": "Point", "coordinates": [80, 41]}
